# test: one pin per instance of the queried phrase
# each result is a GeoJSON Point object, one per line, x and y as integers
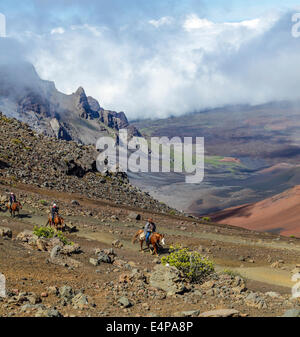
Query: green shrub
{"type": "Point", "coordinates": [44, 232]}
{"type": "Point", "coordinates": [49, 232]}
{"type": "Point", "coordinates": [206, 219]}
{"type": "Point", "coordinates": [44, 202]}
{"type": "Point", "coordinates": [16, 141]}
{"type": "Point", "coordinates": [194, 266]}
{"type": "Point", "coordinates": [63, 239]}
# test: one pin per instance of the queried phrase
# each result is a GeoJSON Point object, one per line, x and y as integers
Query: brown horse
{"type": "Point", "coordinates": [155, 240]}
{"type": "Point", "coordinates": [58, 223]}
{"type": "Point", "coordinates": [14, 208]}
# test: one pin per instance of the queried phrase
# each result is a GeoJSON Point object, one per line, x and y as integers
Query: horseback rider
{"type": "Point", "coordinates": [12, 198]}
{"type": "Point", "coordinates": [149, 229]}
{"type": "Point", "coordinates": [54, 210]}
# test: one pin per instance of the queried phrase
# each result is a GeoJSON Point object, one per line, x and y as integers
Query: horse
{"type": "Point", "coordinates": [155, 240]}
{"type": "Point", "coordinates": [14, 208]}
{"type": "Point", "coordinates": [58, 222]}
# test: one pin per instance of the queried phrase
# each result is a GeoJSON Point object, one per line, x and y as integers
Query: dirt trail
{"type": "Point", "coordinates": [267, 275]}
{"type": "Point", "coordinates": [264, 274]}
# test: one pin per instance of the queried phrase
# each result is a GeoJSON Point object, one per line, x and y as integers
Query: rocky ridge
{"type": "Point", "coordinates": [69, 117]}
{"type": "Point", "coordinates": [31, 158]}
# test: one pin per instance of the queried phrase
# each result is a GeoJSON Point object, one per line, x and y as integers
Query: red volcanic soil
{"type": "Point", "coordinates": [230, 160]}
{"type": "Point", "coordinates": [278, 167]}
{"type": "Point", "coordinates": [279, 214]}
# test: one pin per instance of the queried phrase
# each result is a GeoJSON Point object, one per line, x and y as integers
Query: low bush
{"type": "Point", "coordinates": [44, 202]}
{"type": "Point", "coordinates": [193, 265]}
{"type": "Point", "coordinates": [49, 232]}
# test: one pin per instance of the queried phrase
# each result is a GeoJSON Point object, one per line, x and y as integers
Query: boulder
{"type": "Point", "coordinates": [80, 301]}
{"type": "Point", "coordinates": [71, 249]}
{"type": "Point", "coordinates": [191, 313]}
{"type": "Point", "coordinates": [26, 236]}
{"type": "Point", "coordinates": [117, 244]}
{"type": "Point", "coordinates": [94, 262]}
{"type": "Point", "coordinates": [221, 313]}
{"type": "Point", "coordinates": [5, 232]}
{"type": "Point", "coordinates": [55, 252]}
{"type": "Point", "coordinates": [48, 313]}
{"type": "Point", "coordinates": [66, 292]}
{"type": "Point", "coordinates": [135, 216]}
{"type": "Point", "coordinates": [41, 245]}
{"type": "Point", "coordinates": [167, 279]}
{"type": "Point", "coordinates": [124, 302]}
{"type": "Point", "coordinates": [102, 257]}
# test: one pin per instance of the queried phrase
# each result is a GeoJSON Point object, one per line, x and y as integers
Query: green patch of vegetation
{"type": "Point", "coordinates": [44, 202]}
{"type": "Point", "coordinates": [206, 219]}
{"type": "Point", "coordinates": [49, 233]}
{"type": "Point", "coordinates": [44, 232]}
{"type": "Point", "coordinates": [194, 266]}
{"type": "Point", "coordinates": [16, 141]}
{"type": "Point", "coordinates": [172, 212]}
{"type": "Point", "coordinates": [216, 162]}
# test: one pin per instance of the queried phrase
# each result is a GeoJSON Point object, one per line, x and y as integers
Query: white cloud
{"type": "Point", "coordinates": [58, 30]}
{"type": "Point", "coordinates": [194, 22]}
{"type": "Point", "coordinates": [192, 65]}
{"type": "Point", "coordinates": [166, 20]}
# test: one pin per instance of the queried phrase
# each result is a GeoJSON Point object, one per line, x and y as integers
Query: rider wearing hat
{"type": "Point", "coordinates": [54, 210]}
{"type": "Point", "coordinates": [149, 229]}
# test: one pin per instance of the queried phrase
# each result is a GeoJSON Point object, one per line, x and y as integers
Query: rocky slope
{"type": "Point", "coordinates": [104, 274]}
{"type": "Point", "coordinates": [31, 158]}
{"type": "Point", "coordinates": [69, 117]}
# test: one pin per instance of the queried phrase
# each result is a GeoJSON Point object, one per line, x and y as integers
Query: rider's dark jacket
{"type": "Point", "coordinates": [12, 198]}
{"type": "Point", "coordinates": [54, 210]}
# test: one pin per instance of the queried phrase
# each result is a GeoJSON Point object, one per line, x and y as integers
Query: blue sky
{"type": "Point", "coordinates": [41, 13]}
{"type": "Point", "coordinates": [160, 57]}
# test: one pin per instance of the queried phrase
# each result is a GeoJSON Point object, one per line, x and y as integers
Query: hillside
{"type": "Point", "coordinates": [30, 158]}
{"type": "Point", "coordinates": [279, 214]}
{"type": "Point", "coordinates": [96, 270]}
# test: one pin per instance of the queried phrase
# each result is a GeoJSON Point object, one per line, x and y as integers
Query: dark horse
{"type": "Point", "coordinates": [155, 240]}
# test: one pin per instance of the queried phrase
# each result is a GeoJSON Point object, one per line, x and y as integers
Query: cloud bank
{"type": "Point", "coordinates": [169, 65]}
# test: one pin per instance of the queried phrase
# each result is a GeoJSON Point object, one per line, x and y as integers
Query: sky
{"type": "Point", "coordinates": [153, 59]}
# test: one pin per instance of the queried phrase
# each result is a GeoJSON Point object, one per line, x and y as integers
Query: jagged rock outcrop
{"type": "Point", "coordinates": [59, 131]}
{"type": "Point", "coordinates": [25, 96]}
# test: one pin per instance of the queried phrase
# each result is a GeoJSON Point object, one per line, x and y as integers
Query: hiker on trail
{"type": "Point", "coordinates": [54, 210]}
{"type": "Point", "coordinates": [12, 198]}
{"type": "Point", "coordinates": [149, 229]}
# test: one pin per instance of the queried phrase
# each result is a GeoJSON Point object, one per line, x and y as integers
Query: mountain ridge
{"type": "Point", "coordinates": [37, 102]}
